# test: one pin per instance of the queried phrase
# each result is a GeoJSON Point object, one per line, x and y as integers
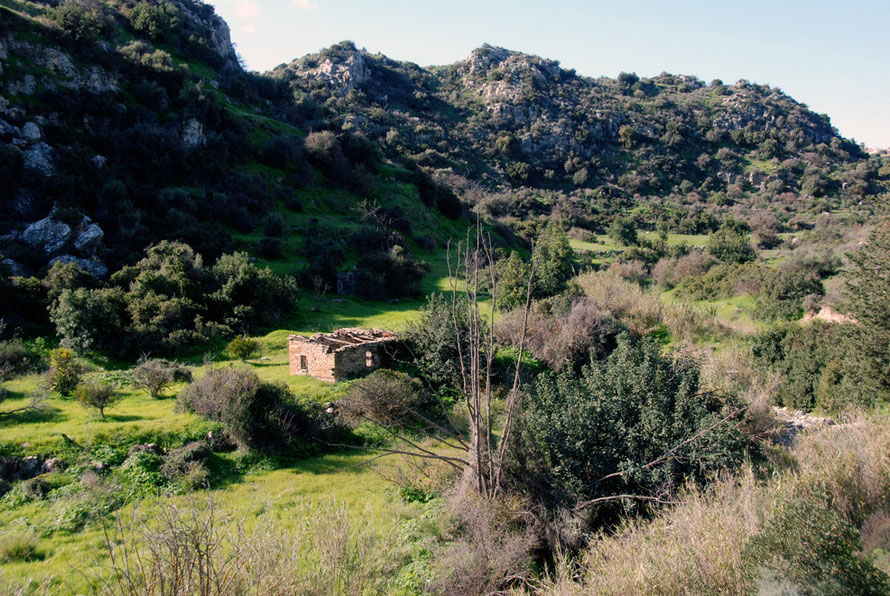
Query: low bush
{"type": "Point", "coordinates": [64, 371]}
{"type": "Point", "coordinates": [784, 292]}
{"type": "Point", "coordinates": [255, 414]}
{"type": "Point", "coordinates": [389, 274]}
{"type": "Point", "coordinates": [155, 375]}
{"type": "Point", "coordinates": [270, 248]}
{"type": "Point", "coordinates": [793, 532]}
{"type": "Point", "coordinates": [722, 281]}
{"type": "Point", "coordinates": [186, 465]}
{"type": "Point", "coordinates": [16, 358]}
{"type": "Point", "coordinates": [18, 545]}
{"type": "Point", "coordinates": [809, 547]}
{"type": "Point", "coordinates": [36, 488]}
{"type": "Point", "coordinates": [388, 398]}
{"type": "Point", "coordinates": [563, 339]}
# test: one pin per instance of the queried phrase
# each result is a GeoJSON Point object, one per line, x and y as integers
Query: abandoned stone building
{"type": "Point", "coordinates": [339, 355]}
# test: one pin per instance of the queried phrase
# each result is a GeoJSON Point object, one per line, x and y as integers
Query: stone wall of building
{"type": "Point", "coordinates": [355, 360]}
{"type": "Point", "coordinates": [320, 359]}
{"type": "Point", "coordinates": [340, 355]}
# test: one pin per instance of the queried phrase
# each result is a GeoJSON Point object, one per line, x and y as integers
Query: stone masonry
{"type": "Point", "coordinates": [338, 355]}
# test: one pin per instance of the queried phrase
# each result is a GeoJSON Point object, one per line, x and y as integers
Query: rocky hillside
{"type": "Point", "coordinates": [504, 120]}
{"type": "Point", "coordinates": [130, 122]}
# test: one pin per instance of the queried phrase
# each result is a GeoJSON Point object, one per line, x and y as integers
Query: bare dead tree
{"type": "Point", "coordinates": [469, 446]}
{"type": "Point", "coordinates": [486, 455]}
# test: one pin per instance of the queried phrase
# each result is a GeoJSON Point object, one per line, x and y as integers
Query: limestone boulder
{"type": "Point", "coordinates": [39, 157]}
{"type": "Point", "coordinates": [89, 236]}
{"type": "Point", "coordinates": [47, 234]}
{"type": "Point", "coordinates": [31, 133]}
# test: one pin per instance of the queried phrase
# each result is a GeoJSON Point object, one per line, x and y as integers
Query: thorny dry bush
{"type": "Point", "coordinates": [643, 312]}
{"type": "Point", "coordinates": [198, 549]}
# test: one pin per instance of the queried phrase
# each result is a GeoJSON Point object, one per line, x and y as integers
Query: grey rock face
{"type": "Point", "coordinates": [94, 268]}
{"type": "Point", "coordinates": [48, 234]}
{"type": "Point", "coordinates": [26, 86]}
{"type": "Point", "coordinates": [89, 236]}
{"type": "Point", "coordinates": [31, 132]}
{"type": "Point", "coordinates": [39, 157]}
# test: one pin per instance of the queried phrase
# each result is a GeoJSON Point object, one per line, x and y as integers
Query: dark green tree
{"type": "Point", "coordinates": [634, 424]}
{"type": "Point", "coordinates": [553, 257]}
{"type": "Point", "coordinates": [623, 231]}
{"type": "Point", "coordinates": [731, 243]}
{"type": "Point", "coordinates": [868, 290]}
{"type": "Point", "coordinates": [512, 281]}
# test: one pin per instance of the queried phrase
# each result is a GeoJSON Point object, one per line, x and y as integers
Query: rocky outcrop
{"type": "Point", "coordinates": [39, 157]}
{"type": "Point", "coordinates": [64, 244]}
{"type": "Point", "coordinates": [342, 71]}
{"type": "Point", "coordinates": [56, 69]}
{"type": "Point", "coordinates": [192, 134]}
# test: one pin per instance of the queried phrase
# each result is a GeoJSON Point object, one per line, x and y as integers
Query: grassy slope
{"type": "Point", "coordinates": [336, 476]}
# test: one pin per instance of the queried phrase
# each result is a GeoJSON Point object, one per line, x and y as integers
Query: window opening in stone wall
{"type": "Point", "coordinates": [303, 365]}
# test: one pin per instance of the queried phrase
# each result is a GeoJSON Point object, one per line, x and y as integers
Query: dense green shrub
{"type": "Point", "coordinates": [390, 274]}
{"type": "Point", "coordinates": [388, 398]}
{"type": "Point", "coordinates": [731, 243]}
{"type": "Point", "coordinates": [433, 340]}
{"type": "Point", "coordinates": [18, 358]}
{"type": "Point", "coordinates": [270, 248]}
{"type": "Point", "coordinates": [64, 372]}
{"type": "Point", "coordinates": [158, 20]}
{"type": "Point", "coordinates": [783, 293]}
{"type": "Point", "coordinates": [625, 426]}
{"type": "Point", "coordinates": [273, 224]}
{"type": "Point", "coordinates": [623, 231]}
{"type": "Point", "coordinates": [818, 366]}
{"type": "Point", "coordinates": [723, 281]}
{"type": "Point", "coordinates": [867, 284]}
{"type": "Point", "coordinates": [247, 295]}
{"type": "Point", "coordinates": [84, 23]}
{"type": "Point", "coordinates": [186, 465]}
{"type": "Point", "coordinates": [512, 276]}
{"type": "Point", "coordinates": [87, 319]}
{"type": "Point", "coordinates": [553, 257]}
{"type": "Point", "coordinates": [243, 348]}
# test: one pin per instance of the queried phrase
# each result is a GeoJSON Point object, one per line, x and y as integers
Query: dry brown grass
{"type": "Point", "coordinates": [197, 549]}
{"type": "Point", "coordinates": [637, 310]}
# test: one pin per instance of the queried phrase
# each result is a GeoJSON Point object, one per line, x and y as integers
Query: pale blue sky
{"type": "Point", "coordinates": [832, 55]}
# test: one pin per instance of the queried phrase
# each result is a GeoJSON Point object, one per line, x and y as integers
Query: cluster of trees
{"type": "Point", "coordinates": [168, 302]}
